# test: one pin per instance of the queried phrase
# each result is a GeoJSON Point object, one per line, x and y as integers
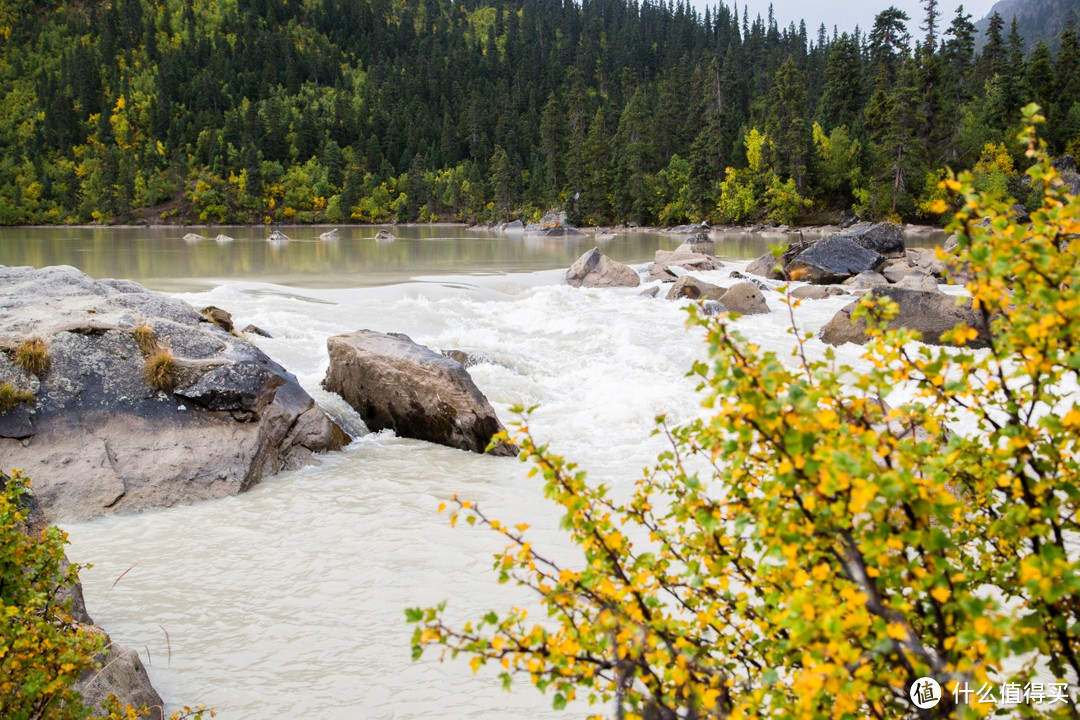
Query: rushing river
{"type": "Point", "coordinates": [288, 601]}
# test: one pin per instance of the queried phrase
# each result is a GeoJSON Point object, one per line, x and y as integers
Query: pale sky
{"type": "Point", "coordinates": [846, 14]}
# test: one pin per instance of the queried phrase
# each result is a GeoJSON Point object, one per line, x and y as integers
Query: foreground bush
{"type": "Point", "coordinates": [43, 650]}
{"type": "Point", "coordinates": [808, 550]}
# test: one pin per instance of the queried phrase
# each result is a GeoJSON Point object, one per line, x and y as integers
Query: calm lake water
{"type": "Point", "coordinates": [160, 258]}
{"type": "Point", "coordinates": [288, 601]}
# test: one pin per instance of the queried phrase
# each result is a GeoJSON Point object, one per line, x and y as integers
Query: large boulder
{"type": "Point", "coordinates": [667, 259]}
{"type": "Point", "coordinates": [833, 260]}
{"type": "Point", "coordinates": [396, 384]}
{"type": "Point", "coordinates": [884, 238]}
{"type": "Point", "coordinates": [99, 438]}
{"type": "Point", "coordinates": [744, 298]}
{"type": "Point", "coordinates": [594, 269]}
{"type": "Point", "coordinates": [690, 287]}
{"type": "Point", "coordinates": [931, 313]}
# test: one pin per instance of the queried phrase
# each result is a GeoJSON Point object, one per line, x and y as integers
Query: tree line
{"type": "Point", "coordinates": [616, 111]}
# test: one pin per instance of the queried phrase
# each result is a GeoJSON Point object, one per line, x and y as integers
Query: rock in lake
{"type": "Point", "coordinates": [552, 224]}
{"type": "Point", "coordinates": [330, 235]}
{"type": "Point", "coordinates": [699, 244]}
{"type": "Point", "coordinates": [396, 384]}
{"type": "Point", "coordinates": [595, 270]}
{"type": "Point", "coordinates": [833, 260]}
{"type": "Point", "coordinates": [278, 237]}
{"type": "Point", "coordinates": [100, 438]}
{"type": "Point", "coordinates": [385, 236]}
{"type": "Point", "coordinates": [193, 237]}
{"type": "Point", "coordinates": [223, 239]}
{"type": "Point", "coordinates": [931, 313]}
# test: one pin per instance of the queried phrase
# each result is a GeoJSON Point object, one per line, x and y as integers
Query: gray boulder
{"type": "Point", "coordinates": [101, 439]}
{"type": "Point", "coordinates": [650, 292]}
{"type": "Point", "coordinates": [193, 237]}
{"type": "Point", "coordinates": [927, 260]}
{"type": "Point", "coordinates": [1072, 182]}
{"type": "Point", "coordinates": [744, 298]}
{"type": "Point", "coordinates": [690, 287]}
{"type": "Point", "coordinates": [766, 266]}
{"type": "Point", "coordinates": [399, 385]}
{"type": "Point", "coordinates": [594, 269]}
{"type": "Point", "coordinates": [931, 313]}
{"type": "Point", "coordinates": [699, 244]}
{"type": "Point", "coordinates": [278, 237]}
{"type": "Point", "coordinates": [896, 270]}
{"type": "Point", "coordinates": [330, 235]}
{"type": "Point", "coordinates": [833, 260]}
{"type": "Point", "coordinates": [384, 236]}
{"type": "Point", "coordinates": [223, 239]}
{"type": "Point", "coordinates": [667, 259]}
{"type": "Point", "coordinates": [883, 238]}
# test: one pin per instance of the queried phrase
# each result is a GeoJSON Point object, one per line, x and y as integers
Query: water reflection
{"type": "Point", "coordinates": [161, 258]}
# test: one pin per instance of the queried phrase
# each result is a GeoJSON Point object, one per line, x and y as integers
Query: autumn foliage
{"type": "Point", "coordinates": [828, 533]}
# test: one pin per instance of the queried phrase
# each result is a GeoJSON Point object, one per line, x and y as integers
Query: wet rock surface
{"type": "Point", "coordinates": [99, 438]}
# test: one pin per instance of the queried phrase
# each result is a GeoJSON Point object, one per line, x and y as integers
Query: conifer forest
{"type": "Point", "coordinates": [615, 111]}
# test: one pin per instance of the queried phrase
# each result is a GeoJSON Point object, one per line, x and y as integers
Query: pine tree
{"type": "Point", "coordinates": [787, 126]}
{"type": "Point", "coordinates": [842, 100]}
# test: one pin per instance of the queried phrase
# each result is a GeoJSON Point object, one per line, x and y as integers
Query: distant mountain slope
{"type": "Point", "coordinates": [1036, 19]}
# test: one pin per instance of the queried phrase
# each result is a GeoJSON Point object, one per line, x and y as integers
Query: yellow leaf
{"type": "Point", "coordinates": [940, 594]}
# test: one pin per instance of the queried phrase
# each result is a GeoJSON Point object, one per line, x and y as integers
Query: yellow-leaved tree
{"type": "Point", "coordinates": [805, 550]}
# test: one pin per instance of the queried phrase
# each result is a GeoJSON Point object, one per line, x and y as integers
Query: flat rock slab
{"type": "Point", "coordinates": [595, 270]}
{"type": "Point", "coordinates": [664, 260]}
{"type": "Point", "coordinates": [833, 260]}
{"type": "Point", "coordinates": [931, 313]}
{"type": "Point", "coordinates": [100, 439]}
{"type": "Point", "coordinates": [396, 384]}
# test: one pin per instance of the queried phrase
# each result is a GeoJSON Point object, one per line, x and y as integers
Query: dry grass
{"type": "Point", "coordinates": [144, 338]}
{"type": "Point", "coordinates": [10, 397]}
{"type": "Point", "coordinates": [32, 356]}
{"type": "Point", "coordinates": [160, 370]}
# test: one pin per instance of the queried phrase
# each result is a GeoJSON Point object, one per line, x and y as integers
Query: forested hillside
{"type": "Point", "coordinates": [374, 110]}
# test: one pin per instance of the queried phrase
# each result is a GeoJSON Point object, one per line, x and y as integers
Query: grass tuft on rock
{"type": "Point", "coordinates": [32, 356]}
{"type": "Point", "coordinates": [160, 370]}
{"type": "Point", "coordinates": [10, 398]}
{"type": "Point", "coordinates": [144, 338]}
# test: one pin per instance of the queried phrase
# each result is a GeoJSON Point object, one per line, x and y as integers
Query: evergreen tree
{"type": "Point", "coordinates": [842, 100]}
{"type": "Point", "coordinates": [787, 126]}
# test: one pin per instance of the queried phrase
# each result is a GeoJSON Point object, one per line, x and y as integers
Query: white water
{"type": "Point", "coordinates": [288, 601]}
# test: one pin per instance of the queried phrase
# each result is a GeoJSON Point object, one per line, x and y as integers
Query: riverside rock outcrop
{"type": "Point", "coordinates": [99, 438]}
{"type": "Point", "coordinates": [397, 384]}
{"type": "Point", "coordinates": [596, 270]}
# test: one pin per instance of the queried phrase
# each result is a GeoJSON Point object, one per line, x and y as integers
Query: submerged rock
{"type": "Point", "coordinates": [193, 237]}
{"type": "Point", "coordinates": [594, 269]}
{"type": "Point", "coordinates": [931, 313]}
{"type": "Point", "coordinates": [385, 236]}
{"type": "Point", "coordinates": [278, 237]}
{"type": "Point", "coordinates": [223, 239]}
{"type": "Point", "coordinates": [396, 384]}
{"type": "Point", "coordinates": [101, 439]}
{"type": "Point", "coordinates": [330, 235]}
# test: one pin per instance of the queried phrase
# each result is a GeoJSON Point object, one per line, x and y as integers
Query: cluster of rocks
{"type": "Point", "coordinates": [99, 434]}
{"type": "Point", "coordinates": [696, 254]}
{"type": "Point", "coordinates": [873, 257]}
